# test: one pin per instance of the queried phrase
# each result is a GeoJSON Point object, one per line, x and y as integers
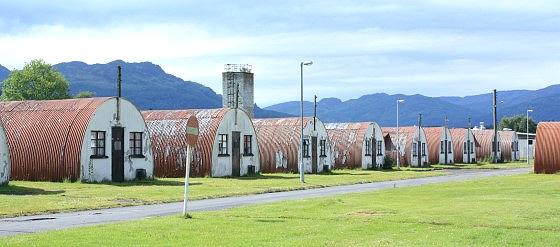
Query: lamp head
{"type": "Point", "coordinates": [307, 63]}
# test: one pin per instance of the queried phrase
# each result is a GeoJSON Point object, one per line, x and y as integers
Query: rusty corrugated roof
{"type": "Point", "coordinates": [347, 140]}
{"type": "Point", "coordinates": [433, 137]}
{"type": "Point", "coordinates": [279, 137]}
{"type": "Point", "coordinates": [45, 137]}
{"type": "Point", "coordinates": [458, 135]}
{"type": "Point", "coordinates": [208, 122]}
{"type": "Point", "coordinates": [406, 137]}
{"type": "Point", "coordinates": [484, 138]}
{"type": "Point", "coordinates": [168, 131]}
{"type": "Point", "coordinates": [547, 148]}
{"type": "Point", "coordinates": [506, 141]}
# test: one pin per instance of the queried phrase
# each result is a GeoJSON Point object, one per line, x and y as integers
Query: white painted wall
{"type": "Point", "coordinates": [446, 137]}
{"type": "Point", "coordinates": [321, 134]}
{"type": "Point", "coordinates": [104, 118]}
{"type": "Point", "coordinates": [523, 149]}
{"type": "Point", "coordinates": [222, 166]}
{"type": "Point", "coordinates": [515, 155]}
{"type": "Point", "coordinates": [423, 155]}
{"type": "Point", "coordinates": [4, 158]}
{"type": "Point", "coordinates": [380, 158]}
{"type": "Point", "coordinates": [469, 138]}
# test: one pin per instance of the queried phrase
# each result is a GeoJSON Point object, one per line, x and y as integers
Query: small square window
{"type": "Point", "coordinates": [135, 143]}
{"type": "Point", "coordinates": [98, 143]}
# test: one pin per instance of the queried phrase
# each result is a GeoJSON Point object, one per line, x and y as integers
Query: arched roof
{"type": "Point", "coordinates": [45, 136]}
{"type": "Point", "coordinates": [547, 147]}
{"type": "Point", "coordinates": [347, 139]}
{"type": "Point", "coordinates": [168, 131]}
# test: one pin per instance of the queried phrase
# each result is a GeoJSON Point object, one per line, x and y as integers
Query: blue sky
{"type": "Point", "coordinates": [434, 47]}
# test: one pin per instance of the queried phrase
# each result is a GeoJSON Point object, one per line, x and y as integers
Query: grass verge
{"type": "Point", "coordinates": [29, 198]}
{"type": "Point", "coordinates": [504, 211]}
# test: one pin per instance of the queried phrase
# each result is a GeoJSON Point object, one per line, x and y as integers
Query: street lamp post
{"type": "Point", "coordinates": [301, 167]}
{"type": "Point", "coordinates": [398, 137]}
{"type": "Point", "coordinates": [528, 110]}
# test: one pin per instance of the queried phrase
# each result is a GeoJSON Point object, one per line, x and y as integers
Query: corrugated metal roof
{"type": "Point", "coordinates": [547, 148]}
{"type": "Point", "coordinates": [406, 137]}
{"type": "Point", "coordinates": [433, 137]}
{"type": "Point", "coordinates": [279, 137]}
{"type": "Point", "coordinates": [208, 122]}
{"type": "Point", "coordinates": [484, 138]}
{"type": "Point", "coordinates": [45, 137]}
{"type": "Point", "coordinates": [347, 139]}
{"type": "Point", "coordinates": [168, 131]}
{"type": "Point", "coordinates": [507, 138]}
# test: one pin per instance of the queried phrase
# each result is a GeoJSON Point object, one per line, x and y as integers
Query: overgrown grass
{"type": "Point", "coordinates": [27, 198]}
{"type": "Point", "coordinates": [505, 211]}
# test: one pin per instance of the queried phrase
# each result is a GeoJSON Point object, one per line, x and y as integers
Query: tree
{"type": "Point", "coordinates": [36, 81]}
{"type": "Point", "coordinates": [518, 123]}
{"type": "Point", "coordinates": [84, 94]}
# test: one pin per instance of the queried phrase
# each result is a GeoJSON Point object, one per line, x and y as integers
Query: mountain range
{"type": "Point", "coordinates": [145, 84]}
{"type": "Point", "coordinates": [381, 107]}
{"type": "Point", "coordinates": [149, 87]}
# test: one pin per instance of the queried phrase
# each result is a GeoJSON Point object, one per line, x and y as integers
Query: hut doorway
{"type": "Point", "coordinates": [117, 154]}
{"type": "Point", "coordinates": [236, 153]}
{"type": "Point", "coordinates": [314, 154]}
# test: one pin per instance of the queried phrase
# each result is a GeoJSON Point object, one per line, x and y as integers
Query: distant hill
{"type": "Point", "coordinates": [4, 73]}
{"type": "Point", "coordinates": [145, 84]}
{"type": "Point", "coordinates": [382, 108]}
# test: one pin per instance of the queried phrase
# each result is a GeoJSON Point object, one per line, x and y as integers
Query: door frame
{"type": "Point", "coordinates": [117, 163]}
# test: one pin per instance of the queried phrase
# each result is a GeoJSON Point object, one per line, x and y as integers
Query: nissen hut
{"type": "Point", "coordinates": [357, 145]}
{"type": "Point", "coordinates": [94, 140]}
{"type": "Point", "coordinates": [172, 133]}
{"type": "Point", "coordinates": [412, 143]}
{"type": "Point", "coordinates": [464, 145]}
{"type": "Point", "coordinates": [4, 157]}
{"type": "Point", "coordinates": [280, 145]}
{"type": "Point", "coordinates": [440, 144]}
{"type": "Point", "coordinates": [485, 149]}
{"type": "Point", "coordinates": [509, 145]}
{"type": "Point", "coordinates": [227, 144]}
{"type": "Point", "coordinates": [547, 149]}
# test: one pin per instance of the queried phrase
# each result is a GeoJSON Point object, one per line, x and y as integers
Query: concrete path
{"type": "Point", "coordinates": [40, 223]}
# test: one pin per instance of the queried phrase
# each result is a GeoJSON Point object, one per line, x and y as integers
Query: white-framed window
{"type": "Point", "coordinates": [323, 148]}
{"type": "Point", "coordinates": [306, 148]}
{"type": "Point", "coordinates": [98, 143]}
{"type": "Point", "coordinates": [135, 143]}
{"type": "Point", "coordinates": [223, 144]}
{"type": "Point", "coordinates": [368, 147]}
{"type": "Point", "coordinates": [379, 150]}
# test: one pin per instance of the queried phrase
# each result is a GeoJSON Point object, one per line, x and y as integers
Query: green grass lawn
{"type": "Point", "coordinates": [504, 211]}
{"type": "Point", "coordinates": [27, 198]}
{"type": "Point", "coordinates": [485, 165]}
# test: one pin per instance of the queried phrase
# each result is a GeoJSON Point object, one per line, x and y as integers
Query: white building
{"type": "Point", "coordinates": [522, 138]}
{"type": "Point", "coordinates": [227, 144]}
{"type": "Point", "coordinates": [280, 144]}
{"type": "Point", "coordinates": [357, 145]}
{"type": "Point", "coordinates": [464, 146]}
{"type": "Point", "coordinates": [94, 140]}
{"type": "Point", "coordinates": [440, 145]}
{"type": "Point", "coordinates": [4, 157]}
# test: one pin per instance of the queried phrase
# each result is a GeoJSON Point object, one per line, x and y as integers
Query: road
{"type": "Point", "coordinates": [40, 223]}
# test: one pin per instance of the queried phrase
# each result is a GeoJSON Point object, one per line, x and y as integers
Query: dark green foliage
{"type": "Point", "coordinates": [36, 81]}
{"type": "Point", "coordinates": [518, 123]}
{"type": "Point", "coordinates": [84, 94]}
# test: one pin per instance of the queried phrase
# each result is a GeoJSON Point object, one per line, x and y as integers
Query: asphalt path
{"type": "Point", "coordinates": [58, 221]}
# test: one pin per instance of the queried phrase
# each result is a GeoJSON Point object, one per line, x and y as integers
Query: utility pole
{"type": "Point", "coordinates": [528, 157]}
{"type": "Point", "coordinates": [315, 114]}
{"type": "Point", "coordinates": [420, 140]}
{"type": "Point", "coordinates": [119, 92]}
{"type": "Point", "coordinates": [495, 118]}
{"type": "Point", "coordinates": [446, 140]}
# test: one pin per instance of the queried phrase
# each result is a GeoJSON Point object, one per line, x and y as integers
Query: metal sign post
{"type": "Point", "coordinates": [187, 171]}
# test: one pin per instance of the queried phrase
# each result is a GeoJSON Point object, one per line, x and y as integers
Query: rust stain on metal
{"type": "Point", "coordinates": [45, 137]}
{"type": "Point", "coordinates": [484, 138]}
{"type": "Point", "coordinates": [172, 132]}
{"type": "Point", "coordinates": [279, 141]}
{"type": "Point", "coordinates": [406, 137]}
{"type": "Point", "coordinates": [208, 122]}
{"type": "Point", "coordinates": [547, 148]}
{"type": "Point", "coordinates": [433, 138]}
{"type": "Point", "coordinates": [507, 138]}
{"type": "Point", "coordinates": [347, 140]}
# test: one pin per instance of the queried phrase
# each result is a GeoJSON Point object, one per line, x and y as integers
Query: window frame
{"type": "Point", "coordinates": [248, 145]}
{"type": "Point", "coordinates": [136, 150]}
{"type": "Point", "coordinates": [441, 146]}
{"type": "Point", "coordinates": [305, 151]}
{"type": "Point", "coordinates": [423, 149]}
{"type": "Point", "coordinates": [322, 148]}
{"type": "Point", "coordinates": [379, 148]}
{"type": "Point", "coordinates": [94, 144]}
{"type": "Point", "coordinates": [223, 145]}
{"type": "Point", "coordinates": [368, 147]}
{"type": "Point", "coordinates": [414, 150]}
{"type": "Point", "coordinates": [449, 148]}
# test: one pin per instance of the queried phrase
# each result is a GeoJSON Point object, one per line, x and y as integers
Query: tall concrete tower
{"type": "Point", "coordinates": [238, 77]}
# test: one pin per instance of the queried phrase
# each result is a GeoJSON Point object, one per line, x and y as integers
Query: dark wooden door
{"type": "Point", "coordinates": [468, 151]}
{"type": "Point", "coordinates": [117, 154]}
{"type": "Point", "coordinates": [236, 154]}
{"type": "Point", "coordinates": [374, 152]}
{"type": "Point", "coordinates": [314, 156]}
